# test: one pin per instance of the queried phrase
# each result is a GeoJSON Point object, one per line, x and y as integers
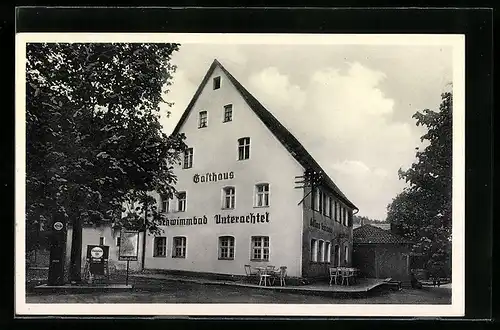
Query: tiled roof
{"type": "Point", "coordinates": [286, 138]}
{"type": "Point", "coordinates": [369, 234]}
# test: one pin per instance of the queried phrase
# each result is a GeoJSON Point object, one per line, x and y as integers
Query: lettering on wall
{"type": "Point", "coordinates": [320, 226]}
{"type": "Point", "coordinates": [184, 221]}
{"type": "Point", "coordinates": [249, 218]}
{"type": "Point", "coordinates": [213, 177]}
{"type": "Point", "coordinates": [218, 219]}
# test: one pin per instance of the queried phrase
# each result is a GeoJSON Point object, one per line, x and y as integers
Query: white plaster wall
{"type": "Point", "coordinates": [216, 150]}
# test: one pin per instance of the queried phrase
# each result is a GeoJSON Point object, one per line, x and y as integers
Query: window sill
{"type": "Point", "coordinates": [175, 257]}
{"type": "Point", "coordinates": [160, 256]}
{"type": "Point", "coordinates": [226, 259]}
{"type": "Point", "coordinates": [240, 160]}
{"type": "Point", "coordinates": [227, 208]}
{"type": "Point", "coordinates": [261, 207]}
{"type": "Point", "coordinates": [199, 127]}
{"type": "Point", "coordinates": [259, 260]}
{"type": "Point", "coordinates": [227, 121]}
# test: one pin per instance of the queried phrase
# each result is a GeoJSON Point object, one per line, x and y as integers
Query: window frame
{"type": "Point", "coordinates": [167, 201]}
{"type": "Point", "coordinates": [216, 82]}
{"type": "Point", "coordinates": [328, 251]}
{"type": "Point", "coordinates": [205, 112]}
{"type": "Point", "coordinates": [155, 247]}
{"type": "Point", "coordinates": [264, 193]}
{"type": "Point", "coordinates": [262, 248]}
{"type": "Point", "coordinates": [224, 117]}
{"type": "Point", "coordinates": [179, 200]}
{"type": "Point", "coordinates": [321, 250]}
{"type": "Point", "coordinates": [230, 248]}
{"type": "Point", "coordinates": [183, 247]}
{"type": "Point", "coordinates": [314, 250]}
{"type": "Point", "coordinates": [189, 157]}
{"type": "Point", "coordinates": [346, 254]}
{"type": "Point", "coordinates": [245, 147]}
{"type": "Point", "coordinates": [225, 195]}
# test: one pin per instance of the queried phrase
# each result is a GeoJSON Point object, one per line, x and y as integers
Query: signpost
{"type": "Point", "coordinates": [57, 253]}
{"type": "Point", "coordinates": [129, 248]}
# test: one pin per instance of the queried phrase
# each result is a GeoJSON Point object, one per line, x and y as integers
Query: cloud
{"type": "Point", "coordinates": [181, 92]}
{"type": "Point", "coordinates": [344, 120]}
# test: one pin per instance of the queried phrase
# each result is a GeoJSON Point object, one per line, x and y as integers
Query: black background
{"type": "Point", "coordinates": [476, 24]}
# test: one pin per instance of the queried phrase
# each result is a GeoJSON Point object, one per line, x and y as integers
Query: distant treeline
{"type": "Point", "coordinates": [357, 220]}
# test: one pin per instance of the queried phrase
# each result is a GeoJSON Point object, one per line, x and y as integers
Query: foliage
{"type": "Point", "coordinates": [423, 212]}
{"type": "Point", "coordinates": [356, 219]}
{"type": "Point", "coordinates": [93, 131]}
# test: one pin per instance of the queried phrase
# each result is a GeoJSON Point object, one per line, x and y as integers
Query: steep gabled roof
{"type": "Point", "coordinates": [369, 234]}
{"type": "Point", "coordinates": [292, 145]}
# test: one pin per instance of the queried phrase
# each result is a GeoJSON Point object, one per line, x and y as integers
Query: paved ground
{"type": "Point", "coordinates": [170, 292]}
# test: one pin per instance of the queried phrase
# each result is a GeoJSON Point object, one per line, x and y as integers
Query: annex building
{"type": "Point", "coordinates": [238, 201]}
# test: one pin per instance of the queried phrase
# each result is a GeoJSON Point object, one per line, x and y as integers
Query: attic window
{"type": "Point", "coordinates": [216, 82]}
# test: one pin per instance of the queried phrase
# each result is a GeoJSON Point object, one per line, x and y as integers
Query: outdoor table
{"type": "Point", "coordinates": [264, 275]}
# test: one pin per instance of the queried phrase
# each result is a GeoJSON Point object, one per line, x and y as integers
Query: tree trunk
{"type": "Point", "coordinates": [75, 271]}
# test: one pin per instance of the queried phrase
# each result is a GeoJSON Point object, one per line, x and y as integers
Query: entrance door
{"type": "Point", "coordinates": [336, 256]}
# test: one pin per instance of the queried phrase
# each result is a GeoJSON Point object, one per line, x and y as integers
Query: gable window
{"type": "Point", "coordinates": [179, 247]}
{"type": "Point", "coordinates": [181, 201]}
{"type": "Point", "coordinates": [344, 216]}
{"type": "Point", "coordinates": [243, 148]}
{"type": "Point", "coordinates": [226, 247]}
{"type": "Point", "coordinates": [216, 82]}
{"type": "Point", "coordinates": [188, 158]}
{"type": "Point", "coordinates": [229, 194]}
{"type": "Point", "coordinates": [160, 247]}
{"type": "Point", "coordinates": [260, 248]}
{"type": "Point", "coordinates": [228, 113]}
{"type": "Point", "coordinates": [203, 119]}
{"type": "Point", "coordinates": [165, 204]}
{"type": "Point", "coordinates": [262, 195]}
{"type": "Point", "coordinates": [314, 250]}
{"type": "Point", "coordinates": [101, 240]}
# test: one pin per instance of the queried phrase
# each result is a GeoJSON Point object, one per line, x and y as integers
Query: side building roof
{"type": "Point", "coordinates": [369, 234]}
{"type": "Point", "coordinates": [291, 144]}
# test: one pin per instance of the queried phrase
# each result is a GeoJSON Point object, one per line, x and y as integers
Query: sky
{"type": "Point", "coordinates": [351, 106]}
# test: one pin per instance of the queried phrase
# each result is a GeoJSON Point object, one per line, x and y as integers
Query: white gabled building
{"type": "Point", "coordinates": [238, 203]}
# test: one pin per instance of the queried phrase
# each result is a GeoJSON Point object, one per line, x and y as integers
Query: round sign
{"type": "Point", "coordinates": [58, 225]}
{"type": "Point", "coordinates": [96, 252]}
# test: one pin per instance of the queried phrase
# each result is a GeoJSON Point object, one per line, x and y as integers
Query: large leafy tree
{"type": "Point", "coordinates": [94, 140]}
{"type": "Point", "coordinates": [423, 211]}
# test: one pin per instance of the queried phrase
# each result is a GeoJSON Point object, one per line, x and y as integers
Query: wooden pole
{"type": "Point", "coordinates": [126, 279]}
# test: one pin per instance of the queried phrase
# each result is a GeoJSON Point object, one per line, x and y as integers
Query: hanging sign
{"type": "Point", "coordinates": [129, 246]}
{"type": "Point", "coordinates": [58, 225]}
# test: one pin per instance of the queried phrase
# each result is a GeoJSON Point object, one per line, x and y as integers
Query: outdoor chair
{"type": "Point", "coordinates": [334, 274]}
{"type": "Point", "coordinates": [281, 274]}
{"type": "Point", "coordinates": [251, 273]}
{"type": "Point", "coordinates": [347, 275]}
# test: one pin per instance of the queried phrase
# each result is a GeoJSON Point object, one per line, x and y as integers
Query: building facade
{"type": "Point", "coordinates": [238, 202]}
